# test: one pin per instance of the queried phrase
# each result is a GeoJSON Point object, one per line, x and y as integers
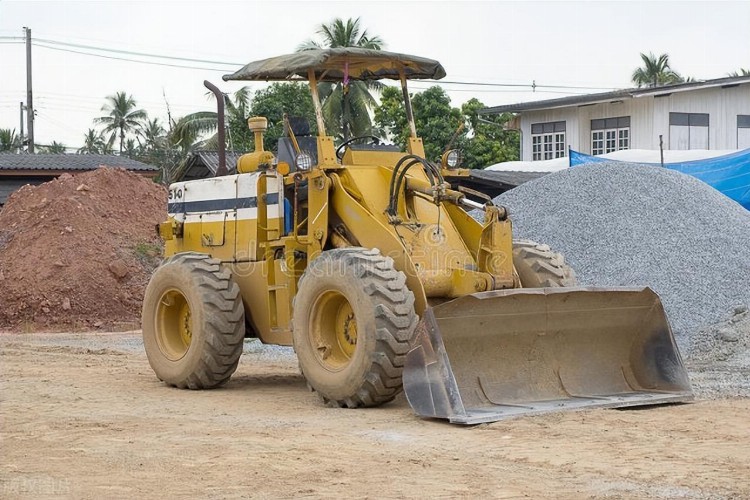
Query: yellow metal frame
{"type": "Point", "coordinates": [443, 252]}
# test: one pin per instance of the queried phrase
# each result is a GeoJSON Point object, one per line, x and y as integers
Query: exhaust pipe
{"type": "Point", "coordinates": [221, 169]}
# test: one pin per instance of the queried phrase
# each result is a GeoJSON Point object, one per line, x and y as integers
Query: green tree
{"type": "Point", "coordinates": [239, 137]}
{"type": "Point", "coordinates": [9, 141]}
{"type": "Point", "coordinates": [655, 71]}
{"type": "Point", "coordinates": [279, 98]}
{"type": "Point", "coordinates": [436, 120]}
{"type": "Point", "coordinates": [171, 152]}
{"type": "Point", "coordinates": [741, 72]}
{"type": "Point", "coordinates": [122, 116]}
{"type": "Point", "coordinates": [94, 142]}
{"type": "Point", "coordinates": [489, 142]}
{"type": "Point", "coordinates": [348, 118]}
{"type": "Point", "coordinates": [153, 144]}
{"type": "Point", "coordinates": [132, 149]}
{"type": "Point", "coordinates": [191, 130]}
{"type": "Point", "coordinates": [484, 141]}
{"type": "Point", "coordinates": [390, 116]}
{"type": "Point", "coordinates": [153, 135]}
{"type": "Point", "coordinates": [56, 148]}
{"type": "Point", "coordinates": [188, 130]}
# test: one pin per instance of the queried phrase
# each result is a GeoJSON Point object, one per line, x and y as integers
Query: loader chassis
{"type": "Point", "coordinates": [226, 218]}
{"type": "Point", "coordinates": [369, 265]}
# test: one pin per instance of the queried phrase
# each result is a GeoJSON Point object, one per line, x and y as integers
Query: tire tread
{"type": "Point", "coordinates": [395, 321]}
{"type": "Point", "coordinates": [549, 267]}
{"type": "Point", "coordinates": [224, 321]}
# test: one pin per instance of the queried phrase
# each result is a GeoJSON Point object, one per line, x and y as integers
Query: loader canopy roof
{"type": "Point", "coordinates": [331, 65]}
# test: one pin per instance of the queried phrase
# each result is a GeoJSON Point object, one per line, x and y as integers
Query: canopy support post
{"type": "Point", "coordinates": [407, 105]}
{"type": "Point", "coordinates": [316, 102]}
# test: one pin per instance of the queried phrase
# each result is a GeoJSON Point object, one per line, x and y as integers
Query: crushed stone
{"type": "Point", "coordinates": [641, 225]}
{"type": "Point", "coordinates": [719, 361]}
{"type": "Point", "coordinates": [633, 225]}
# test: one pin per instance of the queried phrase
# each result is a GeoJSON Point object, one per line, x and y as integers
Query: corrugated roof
{"type": "Point", "coordinates": [580, 100]}
{"type": "Point", "coordinates": [492, 183]}
{"type": "Point", "coordinates": [83, 162]}
{"type": "Point", "coordinates": [202, 164]}
{"type": "Point", "coordinates": [510, 178]}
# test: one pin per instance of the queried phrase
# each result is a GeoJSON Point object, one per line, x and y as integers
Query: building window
{"type": "Point", "coordinates": [688, 130]}
{"type": "Point", "coordinates": [547, 140]}
{"type": "Point", "coordinates": [610, 134]}
{"type": "Point", "coordinates": [743, 131]}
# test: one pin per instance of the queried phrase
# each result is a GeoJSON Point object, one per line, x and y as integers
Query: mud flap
{"type": "Point", "coordinates": [495, 355]}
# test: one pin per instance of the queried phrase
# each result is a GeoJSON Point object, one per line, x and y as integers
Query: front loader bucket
{"type": "Point", "coordinates": [494, 355]}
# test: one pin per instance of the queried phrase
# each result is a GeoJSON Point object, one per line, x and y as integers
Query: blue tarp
{"type": "Point", "coordinates": [729, 174]}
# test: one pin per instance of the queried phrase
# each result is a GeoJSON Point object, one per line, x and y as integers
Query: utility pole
{"type": "Point", "coordinates": [661, 149]}
{"type": "Point", "coordinates": [21, 120]}
{"type": "Point", "coordinates": [29, 98]}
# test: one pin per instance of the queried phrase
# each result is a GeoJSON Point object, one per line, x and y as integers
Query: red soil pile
{"type": "Point", "coordinates": [78, 251]}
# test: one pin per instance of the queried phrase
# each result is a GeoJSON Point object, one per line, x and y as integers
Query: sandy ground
{"type": "Point", "coordinates": [84, 417]}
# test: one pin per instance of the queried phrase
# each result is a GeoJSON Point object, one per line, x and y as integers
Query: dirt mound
{"type": "Point", "coordinates": [78, 251]}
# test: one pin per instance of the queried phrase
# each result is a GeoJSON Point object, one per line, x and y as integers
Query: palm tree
{"type": "Point", "coordinates": [188, 130]}
{"type": "Point", "coordinates": [181, 140]}
{"type": "Point", "coordinates": [153, 135]}
{"type": "Point", "coordinates": [346, 110]}
{"type": "Point", "coordinates": [9, 141]}
{"type": "Point", "coordinates": [122, 116]}
{"type": "Point", "coordinates": [655, 71]}
{"type": "Point", "coordinates": [741, 72]}
{"type": "Point", "coordinates": [94, 143]}
{"type": "Point", "coordinates": [56, 148]}
{"type": "Point", "coordinates": [132, 150]}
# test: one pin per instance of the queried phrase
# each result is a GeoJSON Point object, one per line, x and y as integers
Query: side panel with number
{"type": "Point", "coordinates": [206, 207]}
{"type": "Point", "coordinates": [220, 215]}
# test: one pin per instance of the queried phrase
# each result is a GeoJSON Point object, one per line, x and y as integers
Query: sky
{"type": "Point", "coordinates": [593, 44]}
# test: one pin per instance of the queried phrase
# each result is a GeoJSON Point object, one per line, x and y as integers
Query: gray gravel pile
{"type": "Point", "coordinates": [719, 361]}
{"type": "Point", "coordinates": [629, 225]}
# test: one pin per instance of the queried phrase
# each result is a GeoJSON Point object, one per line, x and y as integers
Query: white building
{"type": "Point", "coordinates": [711, 114]}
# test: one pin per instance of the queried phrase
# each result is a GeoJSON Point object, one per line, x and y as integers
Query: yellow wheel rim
{"type": "Point", "coordinates": [174, 324]}
{"type": "Point", "coordinates": [333, 330]}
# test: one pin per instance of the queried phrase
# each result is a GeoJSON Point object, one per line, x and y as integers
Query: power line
{"type": "Point", "coordinates": [60, 104]}
{"type": "Point", "coordinates": [63, 97]}
{"type": "Point", "coordinates": [49, 42]}
{"type": "Point", "coordinates": [133, 53]}
{"type": "Point", "coordinates": [153, 63]}
{"type": "Point", "coordinates": [524, 85]}
{"type": "Point", "coordinates": [43, 104]}
{"type": "Point", "coordinates": [89, 105]}
{"type": "Point", "coordinates": [528, 89]}
{"type": "Point", "coordinates": [54, 121]}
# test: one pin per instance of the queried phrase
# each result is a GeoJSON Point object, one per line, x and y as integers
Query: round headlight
{"type": "Point", "coordinates": [304, 161]}
{"type": "Point", "coordinates": [452, 159]}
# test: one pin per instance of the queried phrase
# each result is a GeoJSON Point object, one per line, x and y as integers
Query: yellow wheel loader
{"type": "Point", "coordinates": [366, 261]}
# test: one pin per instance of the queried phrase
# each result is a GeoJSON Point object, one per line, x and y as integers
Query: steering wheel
{"type": "Point", "coordinates": [340, 149]}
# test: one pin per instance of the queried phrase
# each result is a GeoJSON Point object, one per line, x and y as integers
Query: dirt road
{"type": "Point", "coordinates": [84, 417]}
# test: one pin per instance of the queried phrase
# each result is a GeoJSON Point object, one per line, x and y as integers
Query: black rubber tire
{"type": "Point", "coordinates": [217, 319]}
{"type": "Point", "coordinates": [539, 267]}
{"type": "Point", "coordinates": [383, 309]}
